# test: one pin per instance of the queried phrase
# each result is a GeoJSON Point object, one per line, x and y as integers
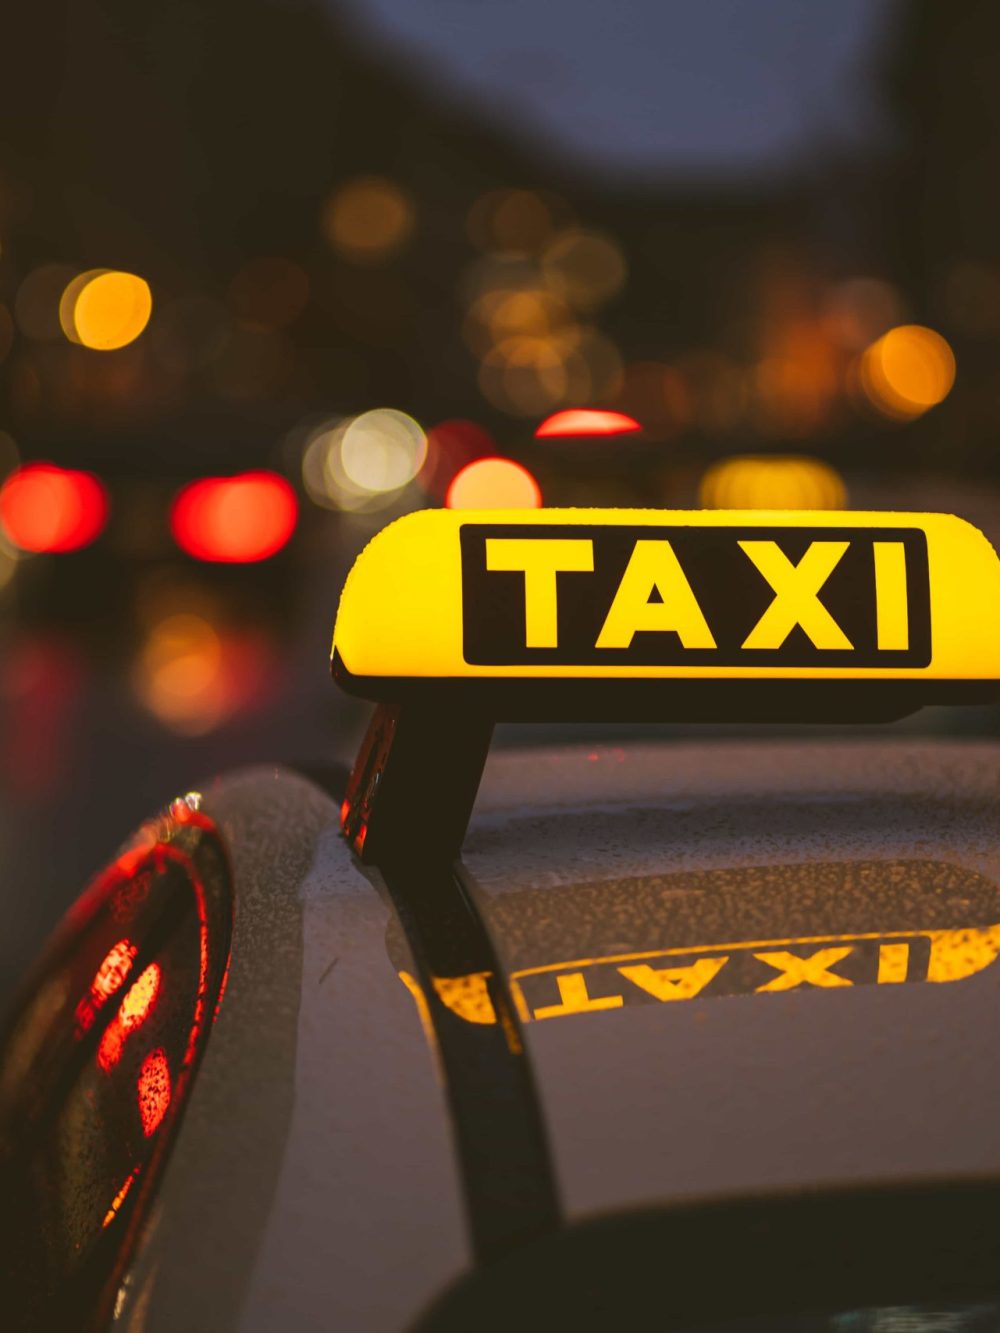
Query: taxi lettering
{"type": "Point", "coordinates": [707, 596]}
{"type": "Point", "coordinates": [746, 968]}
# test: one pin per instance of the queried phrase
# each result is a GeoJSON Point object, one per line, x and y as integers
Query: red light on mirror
{"type": "Point", "coordinates": [49, 508]}
{"type": "Point", "coordinates": [119, 1198]}
{"type": "Point", "coordinates": [153, 1089]}
{"type": "Point", "coordinates": [109, 976]}
{"type": "Point", "coordinates": [99, 1060]}
{"type": "Point", "coordinates": [586, 421]}
{"type": "Point", "coordinates": [135, 1009]}
{"type": "Point", "coordinates": [234, 520]}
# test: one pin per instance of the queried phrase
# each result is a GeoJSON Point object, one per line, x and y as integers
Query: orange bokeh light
{"type": "Point", "coordinates": [907, 371]}
{"type": "Point", "coordinates": [105, 309]}
{"type": "Point", "coordinates": [193, 675]}
{"type": "Point", "coordinates": [494, 483]}
{"type": "Point", "coordinates": [586, 421]}
{"type": "Point", "coordinates": [369, 219]}
{"type": "Point", "coordinates": [49, 508]}
{"type": "Point", "coordinates": [234, 520]}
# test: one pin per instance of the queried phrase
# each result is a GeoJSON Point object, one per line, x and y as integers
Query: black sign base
{"type": "Point", "coordinates": [415, 781]}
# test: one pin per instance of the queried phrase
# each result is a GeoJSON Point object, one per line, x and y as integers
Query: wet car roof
{"type": "Point", "coordinates": [752, 966]}
{"type": "Point", "coordinates": [738, 968]}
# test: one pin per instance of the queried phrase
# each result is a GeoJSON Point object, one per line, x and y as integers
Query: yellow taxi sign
{"type": "Point", "coordinates": [493, 602]}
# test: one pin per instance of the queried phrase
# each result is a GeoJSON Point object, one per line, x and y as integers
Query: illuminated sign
{"type": "Point", "coordinates": [667, 596]}
{"type": "Point", "coordinates": [626, 595]}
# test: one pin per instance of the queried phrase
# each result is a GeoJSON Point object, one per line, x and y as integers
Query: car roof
{"type": "Point", "coordinates": [317, 1163]}
{"type": "Point", "coordinates": [878, 859]}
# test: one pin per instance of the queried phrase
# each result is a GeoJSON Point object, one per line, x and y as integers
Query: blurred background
{"type": "Point", "coordinates": [273, 272]}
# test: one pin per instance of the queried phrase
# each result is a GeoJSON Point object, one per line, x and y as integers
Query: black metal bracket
{"type": "Point", "coordinates": [414, 782]}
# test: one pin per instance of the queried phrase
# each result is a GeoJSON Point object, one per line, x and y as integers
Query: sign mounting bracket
{"type": "Point", "coordinates": [415, 781]}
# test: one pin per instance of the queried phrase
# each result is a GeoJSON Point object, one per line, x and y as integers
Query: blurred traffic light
{"type": "Point", "coordinates": [48, 508]}
{"type": "Point", "coordinates": [234, 520]}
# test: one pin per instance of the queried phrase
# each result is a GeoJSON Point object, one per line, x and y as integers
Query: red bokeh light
{"type": "Point", "coordinates": [234, 520]}
{"type": "Point", "coordinates": [586, 421]}
{"type": "Point", "coordinates": [49, 508]}
{"type": "Point", "coordinates": [451, 445]}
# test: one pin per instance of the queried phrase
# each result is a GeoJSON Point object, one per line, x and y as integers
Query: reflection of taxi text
{"type": "Point", "coordinates": [758, 967]}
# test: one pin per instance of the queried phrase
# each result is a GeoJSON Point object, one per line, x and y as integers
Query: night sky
{"type": "Point", "coordinates": [649, 87]}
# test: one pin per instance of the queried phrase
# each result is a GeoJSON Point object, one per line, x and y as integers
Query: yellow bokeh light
{"type": "Point", "coordinates": [531, 375]}
{"type": "Point", "coordinates": [105, 309]}
{"type": "Point", "coordinates": [194, 674]}
{"type": "Point", "coordinates": [907, 371]}
{"type": "Point", "coordinates": [524, 376]}
{"type": "Point", "coordinates": [368, 219]}
{"type": "Point", "coordinates": [754, 481]}
{"type": "Point", "coordinates": [586, 267]}
{"type": "Point", "coordinates": [525, 312]}
{"type": "Point", "coordinates": [178, 674]}
{"type": "Point", "coordinates": [494, 274]}
{"type": "Point", "coordinates": [504, 313]}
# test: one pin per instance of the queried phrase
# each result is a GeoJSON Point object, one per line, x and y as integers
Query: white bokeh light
{"type": "Point", "coordinates": [382, 450]}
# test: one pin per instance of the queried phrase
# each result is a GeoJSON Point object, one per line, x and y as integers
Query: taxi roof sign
{"type": "Point", "coordinates": [455, 619]}
{"type": "Point", "coordinates": [601, 613]}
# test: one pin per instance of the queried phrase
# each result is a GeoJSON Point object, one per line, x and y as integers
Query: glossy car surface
{"type": "Point", "coordinates": [649, 904]}
{"type": "Point", "coordinates": [700, 1032]}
